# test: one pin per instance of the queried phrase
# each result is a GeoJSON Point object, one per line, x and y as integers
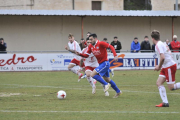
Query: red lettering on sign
{"type": "Point", "coordinates": [19, 59]}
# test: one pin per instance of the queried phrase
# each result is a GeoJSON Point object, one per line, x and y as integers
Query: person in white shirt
{"type": "Point", "coordinates": [167, 66]}
{"type": "Point", "coordinates": [90, 64]}
{"type": "Point", "coordinates": [74, 64]}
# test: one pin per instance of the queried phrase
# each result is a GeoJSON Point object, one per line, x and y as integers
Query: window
{"type": "Point", "coordinates": [96, 5]}
{"type": "Point", "coordinates": [175, 6]}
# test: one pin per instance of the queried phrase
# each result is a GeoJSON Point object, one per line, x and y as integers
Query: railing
{"type": "Point", "coordinates": [65, 51]}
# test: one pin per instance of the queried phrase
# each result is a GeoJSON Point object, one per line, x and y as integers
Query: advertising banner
{"type": "Point", "coordinates": [55, 61]}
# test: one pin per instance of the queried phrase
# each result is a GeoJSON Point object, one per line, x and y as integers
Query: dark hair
{"type": "Point", "coordinates": [146, 37]}
{"type": "Point", "coordinates": [88, 32]}
{"type": "Point", "coordinates": [93, 35]}
{"type": "Point", "coordinates": [155, 34]}
{"type": "Point", "coordinates": [135, 38]}
{"type": "Point", "coordinates": [115, 37]}
{"type": "Point", "coordinates": [105, 39]}
{"type": "Point", "coordinates": [1, 39]}
{"type": "Point", "coordinates": [82, 38]}
{"type": "Point", "coordinates": [87, 38]}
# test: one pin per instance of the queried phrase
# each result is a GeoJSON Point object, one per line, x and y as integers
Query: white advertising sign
{"type": "Point", "coordinates": [52, 62]}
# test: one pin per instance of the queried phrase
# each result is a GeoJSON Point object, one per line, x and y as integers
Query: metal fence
{"type": "Point", "coordinates": [65, 51]}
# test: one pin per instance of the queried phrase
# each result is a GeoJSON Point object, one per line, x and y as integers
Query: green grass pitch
{"type": "Point", "coordinates": [32, 96]}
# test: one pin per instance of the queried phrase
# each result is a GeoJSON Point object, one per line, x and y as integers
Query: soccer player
{"type": "Point", "coordinates": [90, 64]}
{"type": "Point", "coordinates": [167, 66]}
{"type": "Point", "coordinates": [98, 48]}
{"type": "Point", "coordinates": [74, 64]}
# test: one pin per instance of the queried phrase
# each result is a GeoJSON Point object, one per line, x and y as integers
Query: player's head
{"type": "Point", "coordinates": [146, 38]}
{"type": "Point", "coordinates": [174, 37]}
{"type": "Point", "coordinates": [155, 35]}
{"type": "Point", "coordinates": [88, 33]}
{"type": "Point", "coordinates": [88, 41]}
{"type": "Point", "coordinates": [93, 38]}
{"type": "Point", "coordinates": [71, 37]}
{"type": "Point", "coordinates": [135, 39]}
{"type": "Point", "coordinates": [167, 41]}
{"type": "Point", "coordinates": [115, 38]}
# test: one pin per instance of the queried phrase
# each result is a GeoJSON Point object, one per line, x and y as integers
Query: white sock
{"type": "Point", "coordinates": [162, 92]}
{"type": "Point", "coordinates": [91, 81]}
{"type": "Point", "coordinates": [177, 86]}
{"type": "Point", "coordinates": [75, 70]}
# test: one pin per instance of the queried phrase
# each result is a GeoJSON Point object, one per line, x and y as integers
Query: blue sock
{"type": "Point", "coordinates": [110, 70]}
{"type": "Point", "coordinates": [99, 79]}
{"type": "Point", "coordinates": [113, 85]}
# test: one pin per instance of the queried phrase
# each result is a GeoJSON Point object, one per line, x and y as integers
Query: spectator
{"type": "Point", "coordinates": [3, 46]}
{"type": "Point", "coordinates": [168, 43]}
{"type": "Point", "coordinates": [153, 47]}
{"type": "Point", "coordinates": [145, 45]}
{"type": "Point", "coordinates": [82, 43]}
{"type": "Point", "coordinates": [105, 40]}
{"type": "Point", "coordinates": [88, 34]}
{"type": "Point", "coordinates": [175, 45]}
{"type": "Point", "coordinates": [135, 46]}
{"type": "Point", "coordinates": [116, 44]}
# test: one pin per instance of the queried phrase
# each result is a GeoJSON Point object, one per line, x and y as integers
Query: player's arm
{"type": "Point", "coordinates": [162, 57]}
{"type": "Point", "coordinates": [106, 45]}
{"type": "Point", "coordinates": [81, 62]}
{"type": "Point", "coordinates": [84, 55]}
{"type": "Point", "coordinates": [73, 51]}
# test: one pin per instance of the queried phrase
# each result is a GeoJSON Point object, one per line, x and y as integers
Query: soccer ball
{"type": "Point", "coordinates": [61, 94]}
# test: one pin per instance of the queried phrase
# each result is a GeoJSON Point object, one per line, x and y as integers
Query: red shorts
{"type": "Point", "coordinates": [169, 74]}
{"type": "Point", "coordinates": [75, 62]}
{"type": "Point", "coordinates": [88, 68]}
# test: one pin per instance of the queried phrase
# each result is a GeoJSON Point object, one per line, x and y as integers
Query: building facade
{"type": "Point", "coordinates": [78, 4]}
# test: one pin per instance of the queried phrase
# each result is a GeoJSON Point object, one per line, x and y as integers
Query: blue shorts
{"type": "Point", "coordinates": [103, 69]}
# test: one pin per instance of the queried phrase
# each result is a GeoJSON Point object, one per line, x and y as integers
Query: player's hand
{"type": "Point", "coordinates": [116, 58]}
{"type": "Point", "coordinates": [66, 47]}
{"type": "Point", "coordinates": [77, 53]}
{"type": "Point", "coordinates": [157, 68]}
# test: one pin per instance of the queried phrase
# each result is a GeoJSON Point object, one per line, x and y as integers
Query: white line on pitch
{"type": "Point", "coordinates": [24, 111]}
{"type": "Point", "coordinates": [81, 88]}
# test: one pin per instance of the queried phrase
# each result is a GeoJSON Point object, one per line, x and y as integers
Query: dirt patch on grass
{"type": "Point", "coordinates": [8, 94]}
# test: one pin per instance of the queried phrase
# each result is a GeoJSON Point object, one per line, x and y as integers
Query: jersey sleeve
{"type": "Point", "coordinates": [159, 48]}
{"type": "Point", "coordinates": [104, 44]}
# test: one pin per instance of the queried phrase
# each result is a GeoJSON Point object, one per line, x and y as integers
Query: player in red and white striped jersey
{"type": "Point", "coordinates": [167, 66]}
{"type": "Point", "coordinates": [74, 64]}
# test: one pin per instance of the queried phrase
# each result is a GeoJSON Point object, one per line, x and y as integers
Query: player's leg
{"type": "Point", "coordinates": [97, 77]}
{"type": "Point", "coordinates": [112, 72]}
{"type": "Point", "coordinates": [171, 78]}
{"type": "Point", "coordinates": [162, 91]}
{"type": "Point", "coordinates": [74, 68]}
{"type": "Point", "coordinates": [106, 92]}
{"type": "Point", "coordinates": [113, 85]}
{"type": "Point", "coordinates": [91, 80]}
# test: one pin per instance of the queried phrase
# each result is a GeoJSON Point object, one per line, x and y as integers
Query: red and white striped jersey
{"type": "Point", "coordinates": [91, 60]}
{"type": "Point", "coordinates": [75, 46]}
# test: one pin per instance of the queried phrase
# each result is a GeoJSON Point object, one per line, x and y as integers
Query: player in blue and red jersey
{"type": "Point", "coordinates": [98, 48]}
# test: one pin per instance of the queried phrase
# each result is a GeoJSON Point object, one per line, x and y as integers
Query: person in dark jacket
{"type": "Point", "coordinates": [3, 46]}
{"type": "Point", "coordinates": [153, 48]}
{"type": "Point", "coordinates": [135, 46]}
{"type": "Point", "coordinates": [168, 43]}
{"type": "Point", "coordinates": [116, 44]}
{"type": "Point", "coordinates": [145, 45]}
